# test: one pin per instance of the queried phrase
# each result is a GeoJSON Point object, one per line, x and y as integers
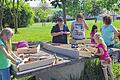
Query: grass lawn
{"type": "Point", "coordinates": [37, 32]}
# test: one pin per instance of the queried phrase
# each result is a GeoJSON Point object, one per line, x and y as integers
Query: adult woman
{"type": "Point", "coordinates": [108, 31]}
{"type": "Point", "coordinates": [78, 28]}
{"type": "Point", "coordinates": [6, 54]}
{"type": "Point", "coordinates": [60, 32]}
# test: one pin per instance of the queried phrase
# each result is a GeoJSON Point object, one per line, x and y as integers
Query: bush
{"type": "Point", "coordinates": [25, 15]}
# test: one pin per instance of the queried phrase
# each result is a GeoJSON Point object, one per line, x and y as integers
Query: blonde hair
{"type": "Point", "coordinates": [8, 32]}
{"type": "Point", "coordinates": [99, 39]}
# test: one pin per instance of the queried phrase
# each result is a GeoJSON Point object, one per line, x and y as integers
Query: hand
{"type": "Point", "coordinates": [65, 32]}
{"type": "Point", "coordinates": [61, 33]}
{"type": "Point", "coordinates": [18, 61]}
{"type": "Point", "coordinates": [92, 55]}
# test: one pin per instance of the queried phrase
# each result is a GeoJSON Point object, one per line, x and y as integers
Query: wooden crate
{"type": "Point", "coordinates": [36, 64]}
{"type": "Point", "coordinates": [29, 50]}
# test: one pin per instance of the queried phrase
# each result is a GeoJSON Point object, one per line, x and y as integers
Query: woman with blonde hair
{"type": "Point", "coordinates": [6, 54]}
{"type": "Point", "coordinates": [104, 56]}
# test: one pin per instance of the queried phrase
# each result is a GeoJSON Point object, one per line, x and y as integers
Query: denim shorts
{"type": "Point", "coordinates": [5, 74]}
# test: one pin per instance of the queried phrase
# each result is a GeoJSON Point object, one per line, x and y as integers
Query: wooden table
{"type": "Point", "coordinates": [63, 70]}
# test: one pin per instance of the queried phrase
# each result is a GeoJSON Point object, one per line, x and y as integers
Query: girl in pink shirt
{"type": "Point", "coordinates": [104, 56]}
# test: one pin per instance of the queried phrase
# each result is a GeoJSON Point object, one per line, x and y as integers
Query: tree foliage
{"type": "Point", "coordinates": [88, 7]}
{"type": "Point", "coordinates": [25, 14]}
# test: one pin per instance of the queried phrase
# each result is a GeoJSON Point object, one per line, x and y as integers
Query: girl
{"type": "Point", "coordinates": [93, 31]}
{"type": "Point", "coordinates": [104, 56]}
{"type": "Point", "coordinates": [6, 53]}
{"type": "Point", "coordinates": [78, 28]}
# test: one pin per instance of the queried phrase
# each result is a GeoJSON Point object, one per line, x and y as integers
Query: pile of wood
{"type": "Point", "coordinates": [32, 58]}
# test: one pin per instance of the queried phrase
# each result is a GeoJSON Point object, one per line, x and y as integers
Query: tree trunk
{"type": "Point", "coordinates": [64, 11]}
{"type": "Point", "coordinates": [15, 15]}
{"type": "Point", "coordinates": [16, 18]}
{"type": "Point", "coordinates": [1, 13]}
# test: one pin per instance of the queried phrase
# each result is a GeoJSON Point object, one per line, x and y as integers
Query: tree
{"type": "Point", "coordinates": [73, 7]}
{"type": "Point", "coordinates": [108, 4]}
{"type": "Point", "coordinates": [15, 15]}
{"type": "Point", "coordinates": [1, 12]}
{"type": "Point", "coordinates": [60, 4]}
{"type": "Point", "coordinates": [42, 12]}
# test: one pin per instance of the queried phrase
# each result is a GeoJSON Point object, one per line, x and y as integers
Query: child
{"type": "Point", "coordinates": [93, 31]}
{"type": "Point", "coordinates": [104, 56]}
{"type": "Point", "coordinates": [78, 28]}
{"type": "Point", "coordinates": [6, 54]}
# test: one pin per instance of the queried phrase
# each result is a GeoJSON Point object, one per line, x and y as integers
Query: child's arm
{"type": "Point", "coordinates": [101, 52]}
{"type": "Point", "coordinates": [86, 26]}
{"type": "Point", "coordinates": [7, 54]}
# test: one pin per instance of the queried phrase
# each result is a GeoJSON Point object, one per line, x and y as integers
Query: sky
{"type": "Point", "coordinates": [37, 3]}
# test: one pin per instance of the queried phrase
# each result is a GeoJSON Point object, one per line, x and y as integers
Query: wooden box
{"type": "Point", "coordinates": [35, 61]}
{"type": "Point", "coordinates": [29, 50]}
{"type": "Point", "coordinates": [36, 64]}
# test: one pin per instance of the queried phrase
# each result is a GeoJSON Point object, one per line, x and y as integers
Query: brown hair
{"type": "Point", "coordinates": [107, 20]}
{"type": "Point", "coordinates": [79, 16]}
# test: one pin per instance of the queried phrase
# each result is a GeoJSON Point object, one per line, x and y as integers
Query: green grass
{"type": "Point", "coordinates": [37, 32]}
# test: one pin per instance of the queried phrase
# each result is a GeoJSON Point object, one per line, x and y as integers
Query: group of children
{"type": "Point", "coordinates": [102, 41]}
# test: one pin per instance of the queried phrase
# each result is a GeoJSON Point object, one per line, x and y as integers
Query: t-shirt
{"type": "Point", "coordinates": [4, 62]}
{"type": "Point", "coordinates": [60, 38]}
{"type": "Point", "coordinates": [108, 34]}
{"type": "Point", "coordinates": [78, 30]}
{"type": "Point", "coordinates": [92, 39]}
{"type": "Point", "coordinates": [105, 54]}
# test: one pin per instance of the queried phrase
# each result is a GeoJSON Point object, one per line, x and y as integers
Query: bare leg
{"type": "Point", "coordinates": [110, 71]}
{"type": "Point", "coordinates": [104, 68]}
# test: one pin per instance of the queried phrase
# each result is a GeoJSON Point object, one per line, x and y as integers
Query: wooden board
{"type": "Point", "coordinates": [65, 49]}
{"type": "Point", "coordinates": [26, 50]}
{"type": "Point", "coordinates": [86, 41]}
{"type": "Point", "coordinates": [36, 64]}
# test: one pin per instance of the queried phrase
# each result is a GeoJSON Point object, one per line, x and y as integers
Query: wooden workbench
{"type": "Point", "coordinates": [63, 70]}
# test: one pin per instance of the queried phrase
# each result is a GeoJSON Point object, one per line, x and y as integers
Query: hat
{"type": "Point", "coordinates": [59, 19]}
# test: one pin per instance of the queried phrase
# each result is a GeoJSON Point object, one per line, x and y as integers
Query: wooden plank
{"type": "Point", "coordinates": [35, 64]}
{"type": "Point", "coordinates": [61, 50]}
{"type": "Point", "coordinates": [65, 49]}
{"type": "Point", "coordinates": [34, 60]}
{"type": "Point", "coordinates": [85, 41]}
{"type": "Point", "coordinates": [26, 50]}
